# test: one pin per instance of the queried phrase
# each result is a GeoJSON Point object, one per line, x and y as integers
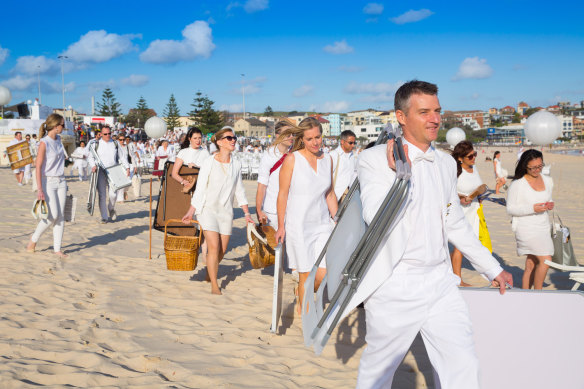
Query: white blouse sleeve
{"type": "Point", "coordinates": [516, 204]}
{"type": "Point", "coordinates": [239, 189]}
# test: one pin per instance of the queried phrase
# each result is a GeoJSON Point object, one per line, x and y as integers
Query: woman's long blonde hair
{"type": "Point", "coordinates": [298, 132]}
{"type": "Point", "coordinates": [52, 121]}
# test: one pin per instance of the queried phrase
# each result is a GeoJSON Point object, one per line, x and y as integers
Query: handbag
{"type": "Point", "coordinates": [261, 240]}
{"type": "Point", "coordinates": [484, 235]}
{"type": "Point", "coordinates": [137, 185]}
{"type": "Point", "coordinates": [563, 250]}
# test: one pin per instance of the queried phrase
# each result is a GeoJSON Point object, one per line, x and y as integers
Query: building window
{"type": "Point", "coordinates": [363, 130]}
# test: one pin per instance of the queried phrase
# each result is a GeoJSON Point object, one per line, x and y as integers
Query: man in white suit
{"type": "Point", "coordinates": [409, 286]}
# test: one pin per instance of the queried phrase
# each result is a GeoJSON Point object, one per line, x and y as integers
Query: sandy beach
{"type": "Point", "coordinates": [107, 316]}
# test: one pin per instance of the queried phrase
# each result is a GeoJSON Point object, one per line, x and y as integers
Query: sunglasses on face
{"type": "Point", "coordinates": [472, 156]}
{"type": "Point", "coordinates": [106, 133]}
{"type": "Point", "coordinates": [230, 138]}
{"type": "Point", "coordinates": [532, 168]}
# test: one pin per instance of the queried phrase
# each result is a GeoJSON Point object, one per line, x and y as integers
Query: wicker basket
{"type": "Point", "coordinates": [261, 254]}
{"type": "Point", "coordinates": [182, 252]}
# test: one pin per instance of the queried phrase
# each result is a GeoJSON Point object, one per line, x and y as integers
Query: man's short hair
{"type": "Point", "coordinates": [17, 132]}
{"type": "Point", "coordinates": [347, 133]}
{"type": "Point", "coordinates": [403, 94]}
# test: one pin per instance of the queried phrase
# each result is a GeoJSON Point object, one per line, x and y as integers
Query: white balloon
{"type": "Point", "coordinates": [455, 135]}
{"type": "Point", "coordinates": [5, 95]}
{"type": "Point", "coordinates": [155, 127]}
{"type": "Point", "coordinates": [542, 128]}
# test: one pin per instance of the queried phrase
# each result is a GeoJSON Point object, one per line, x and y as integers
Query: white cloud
{"type": "Point", "coordinates": [136, 80]}
{"type": "Point", "coordinates": [197, 42]}
{"type": "Point", "coordinates": [372, 88]}
{"type": "Point", "coordinates": [3, 55]}
{"type": "Point", "coordinates": [373, 9]}
{"type": "Point", "coordinates": [340, 47]}
{"type": "Point", "coordinates": [412, 16]}
{"type": "Point", "coordinates": [304, 90]}
{"type": "Point", "coordinates": [99, 86]}
{"type": "Point", "coordinates": [475, 68]}
{"type": "Point", "coordinates": [335, 106]}
{"type": "Point", "coordinates": [252, 86]}
{"type": "Point", "coordinates": [20, 83]}
{"type": "Point", "coordinates": [231, 107]}
{"type": "Point", "coordinates": [100, 46]}
{"type": "Point", "coordinates": [250, 6]}
{"type": "Point", "coordinates": [30, 65]}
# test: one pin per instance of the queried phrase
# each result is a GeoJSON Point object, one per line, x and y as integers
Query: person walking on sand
{"type": "Point", "coordinates": [344, 164]}
{"type": "Point", "coordinates": [18, 172]}
{"type": "Point", "coordinates": [528, 201]}
{"type": "Point", "coordinates": [500, 173]}
{"type": "Point", "coordinates": [51, 184]}
{"type": "Point", "coordinates": [306, 202]}
{"type": "Point", "coordinates": [110, 154]}
{"type": "Point", "coordinates": [409, 287]}
{"type": "Point", "coordinates": [212, 201]}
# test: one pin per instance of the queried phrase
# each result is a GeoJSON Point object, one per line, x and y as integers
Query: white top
{"type": "Point", "coordinates": [194, 156]}
{"type": "Point", "coordinates": [466, 184]}
{"type": "Point", "coordinates": [521, 198]}
{"type": "Point", "coordinates": [161, 152]}
{"type": "Point", "coordinates": [425, 213]}
{"type": "Point", "coordinates": [54, 163]}
{"type": "Point", "coordinates": [107, 154]}
{"type": "Point", "coordinates": [346, 163]}
{"type": "Point", "coordinates": [271, 181]}
{"type": "Point", "coordinates": [499, 171]}
{"type": "Point", "coordinates": [232, 185]}
{"type": "Point", "coordinates": [80, 153]}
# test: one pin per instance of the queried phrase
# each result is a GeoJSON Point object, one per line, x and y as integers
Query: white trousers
{"type": "Point", "coordinates": [55, 189]}
{"type": "Point", "coordinates": [27, 173]}
{"type": "Point", "coordinates": [81, 166]}
{"type": "Point", "coordinates": [425, 300]}
{"type": "Point", "coordinates": [107, 201]}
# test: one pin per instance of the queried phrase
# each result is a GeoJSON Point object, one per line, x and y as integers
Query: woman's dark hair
{"type": "Point", "coordinates": [521, 168]}
{"type": "Point", "coordinates": [460, 151]}
{"type": "Point", "coordinates": [187, 142]}
{"type": "Point", "coordinates": [496, 153]}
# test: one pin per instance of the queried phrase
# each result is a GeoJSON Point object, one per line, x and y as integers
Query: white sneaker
{"type": "Point", "coordinates": [20, 184]}
{"type": "Point", "coordinates": [113, 215]}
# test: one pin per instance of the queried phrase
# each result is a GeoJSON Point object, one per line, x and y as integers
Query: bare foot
{"type": "Point", "coordinates": [216, 291]}
{"type": "Point", "coordinates": [464, 284]}
{"type": "Point", "coordinates": [30, 247]}
{"type": "Point", "coordinates": [61, 254]}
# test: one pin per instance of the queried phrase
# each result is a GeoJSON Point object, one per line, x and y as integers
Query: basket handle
{"type": "Point", "coordinates": [180, 221]}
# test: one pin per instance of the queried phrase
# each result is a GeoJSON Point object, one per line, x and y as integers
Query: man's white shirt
{"type": "Point", "coordinates": [272, 181]}
{"type": "Point", "coordinates": [107, 153]}
{"type": "Point", "coordinates": [347, 170]}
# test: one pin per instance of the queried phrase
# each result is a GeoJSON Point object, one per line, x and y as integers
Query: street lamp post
{"type": "Point", "coordinates": [62, 58]}
{"type": "Point", "coordinates": [243, 92]}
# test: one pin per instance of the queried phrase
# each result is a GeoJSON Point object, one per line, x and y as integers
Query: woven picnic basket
{"type": "Point", "coordinates": [182, 252]}
{"type": "Point", "coordinates": [261, 248]}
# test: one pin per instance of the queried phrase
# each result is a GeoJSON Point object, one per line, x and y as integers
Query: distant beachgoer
{"type": "Point", "coordinates": [80, 155]}
{"type": "Point", "coordinates": [500, 173]}
{"type": "Point", "coordinates": [219, 181]}
{"type": "Point", "coordinates": [528, 201]}
{"type": "Point", "coordinates": [191, 153]}
{"type": "Point", "coordinates": [269, 175]}
{"type": "Point", "coordinates": [468, 181]}
{"type": "Point", "coordinates": [51, 183]}
{"type": "Point", "coordinates": [18, 172]}
{"type": "Point", "coordinates": [306, 202]}
{"type": "Point", "coordinates": [344, 164]}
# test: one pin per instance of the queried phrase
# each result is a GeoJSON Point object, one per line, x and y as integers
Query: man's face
{"type": "Point", "coordinates": [422, 120]}
{"type": "Point", "coordinates": [348, 144]}
{"type": "Point", "coordinates": [18, 136]}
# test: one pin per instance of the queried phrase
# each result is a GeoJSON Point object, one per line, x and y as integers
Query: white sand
{"type": "Point", "coordinates": [109, 317]}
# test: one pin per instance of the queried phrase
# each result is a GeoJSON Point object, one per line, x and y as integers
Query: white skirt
{"type": "Point", "coordinates": [534, 240]}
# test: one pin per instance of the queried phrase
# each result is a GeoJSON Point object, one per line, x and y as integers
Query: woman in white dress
{"type": "Point", "coordinates": [500, 173]}
{"type": "Point", "coordinates": [468, 181]}
{"type": "Point", "coordinates": [191, 154]}
{"type": "Point", "coordinates": [52, 187]}
{"type": "Point", "coordinates": [528, 201]}
{"type": "Point", "coordinates": [80, 156]}
{"type": "Point", "coordinates": [306, 201]}
{"type": "Point", "coordinates": [219, 181]}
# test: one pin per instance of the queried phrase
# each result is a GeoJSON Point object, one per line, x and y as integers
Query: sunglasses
{"type": "Point", "coordinates": [538, 167]}
{"type": "Point", "coordinates": [106, 133]}
{"type": "Point", "coordinates": [351, 143]}
{"type": "Point", "coordinates": [230, 138]}
{"type": "Point", "coordinates": [472, 156]}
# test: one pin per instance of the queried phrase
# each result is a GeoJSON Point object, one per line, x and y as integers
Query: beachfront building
{"type": "Point", "coordinates": [251, 127]}
{"type": "Point", "coordinates": [297, 117]}
{"type": "Point", "coordinates": [358, 118]}
{"type": "Point", "coordinates": [510, 134]}
{"type": "Point", "coordinates": [370, 131]}
{"type": "Point", "coordinates": [334, 123]}
{"type": "Point", "coordinates": [567, 126]}
{"type": "Point", "coordinates": [522, 107]}
{"type": "Point", "coordinates": [325, 124]}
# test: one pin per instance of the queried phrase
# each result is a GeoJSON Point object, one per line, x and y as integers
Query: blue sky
{"type": "Point", "coordinates": [317, 55]}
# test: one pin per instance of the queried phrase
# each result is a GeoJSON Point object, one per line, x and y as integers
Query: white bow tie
{"type": "Point", "coordinates": [429, 156]}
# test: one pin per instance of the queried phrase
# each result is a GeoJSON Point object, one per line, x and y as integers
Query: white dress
{"type": "Point", "coordinates": [499, 171]}
{"type": "Point", "coordinates": [217, 185]}
{"type": "Point", "coordinates": [308, 221]}
{"type": "Point", "coordinates": [466, 184]}
{"type": "Point", "coordinates": [532, 230]}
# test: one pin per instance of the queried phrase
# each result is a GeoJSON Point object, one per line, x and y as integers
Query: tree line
{"type": "Point", "coordinates": [203, 114]}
